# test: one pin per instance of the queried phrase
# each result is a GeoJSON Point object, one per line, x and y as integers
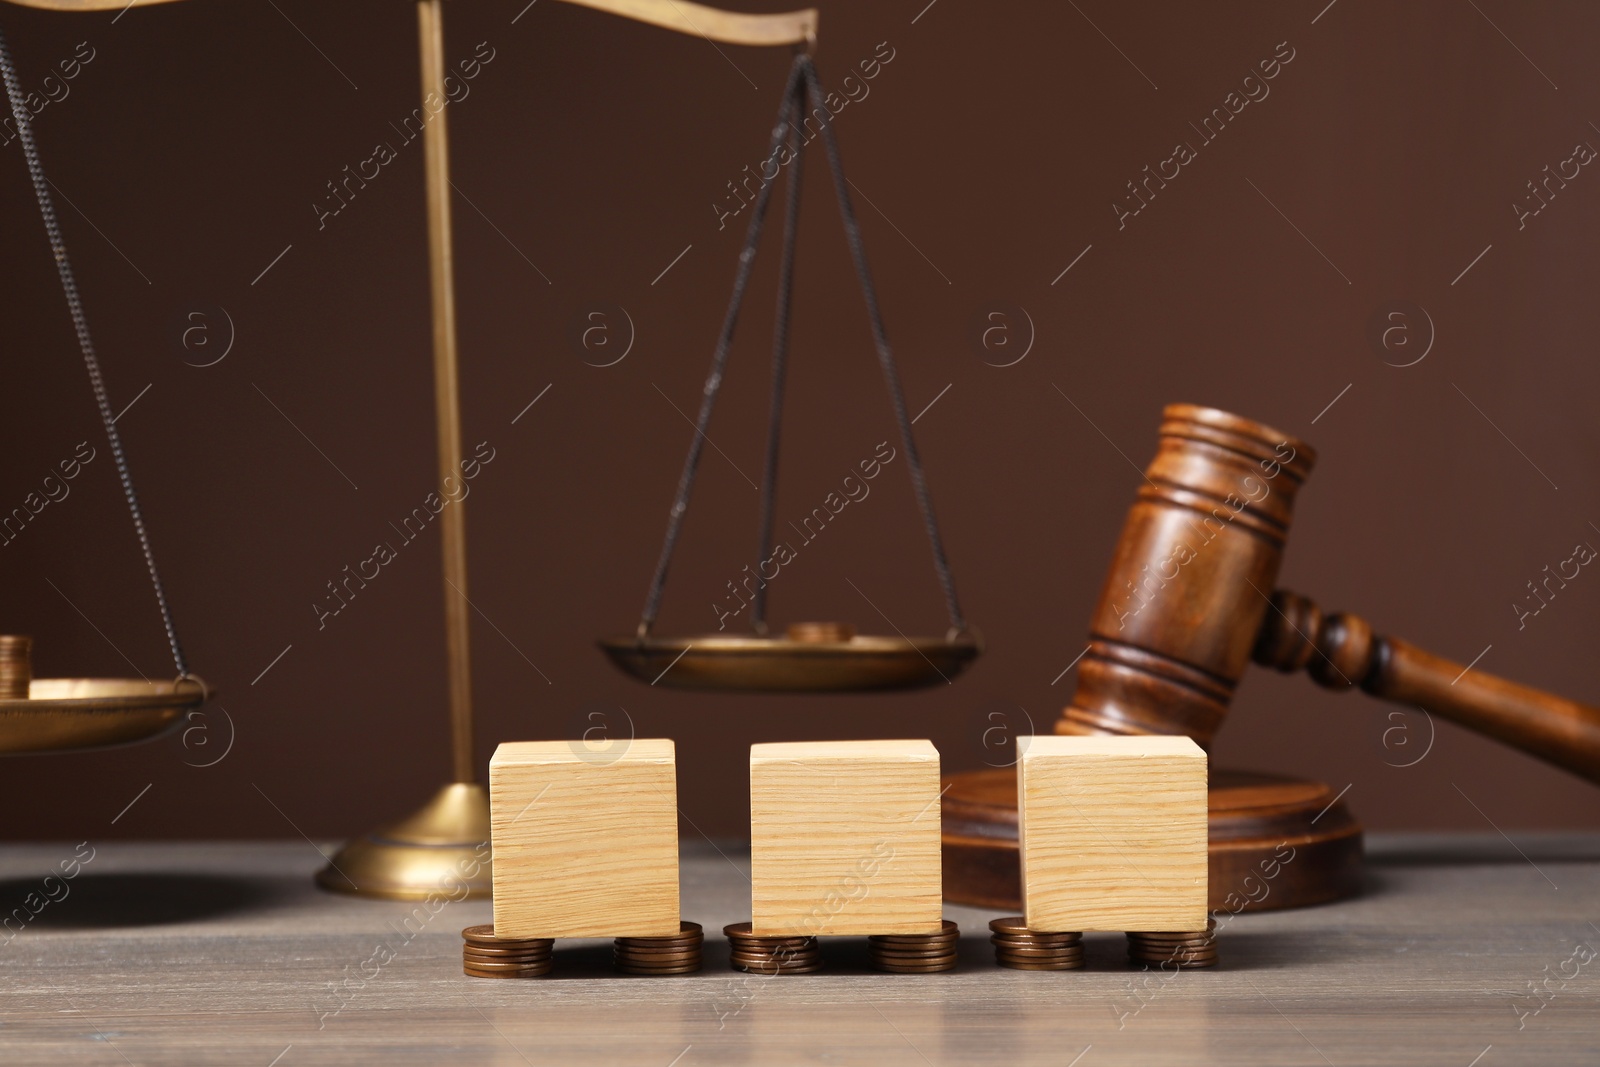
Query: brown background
{"type": "Point", "coordinates": [996, 140]}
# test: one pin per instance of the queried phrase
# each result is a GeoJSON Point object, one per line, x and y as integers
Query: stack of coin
{"type": "Point", "coordinates": [915, 953]}
{"type": "Point", "coordinates": [772, 955]}
{"type": "Point", "coordinates": [676, 954]}
{"type": "Point", "coordinates": [484, 955]}
{"type": "Point", "coordinates": [16, 668]}
{"type": "Point", "coordinates": [1027, 950]}
{"type": "Point", "coordinates": [1183, 951]}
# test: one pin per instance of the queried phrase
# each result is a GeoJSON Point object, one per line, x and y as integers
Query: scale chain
{"type": "Point", "coordinates": [891, 373]}
{"type": "Point", "coordinates": [719, 363]}
{"type": "Point", "coordinates": [802, 88]}
{"type": "Point", "coordinates": [80, 323]}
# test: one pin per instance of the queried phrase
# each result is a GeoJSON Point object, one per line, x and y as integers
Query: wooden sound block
{"type": "Point", "coordinates": [585, 843]}
{"type": "Point", "coordinates": [1112, 832]}
{"type": "Point", "coordinates": [844, 838]}
{"type": "Point", "coordinates": [1275, 842]}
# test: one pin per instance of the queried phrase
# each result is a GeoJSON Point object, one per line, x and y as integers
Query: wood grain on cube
{"type": "Point", "coordinates": [844, 838]}
{"type": "Point", "coordinates": [585, 841]}
{"type": "Point", "coordinates": [1113, 833]}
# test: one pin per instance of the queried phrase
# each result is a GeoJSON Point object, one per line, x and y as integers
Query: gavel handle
{"type": "Point", "coordinates": [1341, 652]}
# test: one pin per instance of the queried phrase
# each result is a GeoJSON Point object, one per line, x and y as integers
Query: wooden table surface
{"type": "Point", "coordinates": [225, 954]}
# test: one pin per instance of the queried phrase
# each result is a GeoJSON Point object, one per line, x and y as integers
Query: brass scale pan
{"type": "Point", "coordinates": [69, 713]}
{"type": "Point", "coordinates": [830, 659]}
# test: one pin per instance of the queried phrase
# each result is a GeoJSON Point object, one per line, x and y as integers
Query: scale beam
{"type": "Point", "coordinates": [699, 20]}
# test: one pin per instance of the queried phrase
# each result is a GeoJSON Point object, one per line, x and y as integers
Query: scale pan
{"type": "Point", "coordinates": [848, 663]}
{"type": "Point", "coordinates": [62, 714]}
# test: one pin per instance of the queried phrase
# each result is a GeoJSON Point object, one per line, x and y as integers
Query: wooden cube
{"type": "Point", "coordinates": [584, 845]}
{"type": "Point", "coordinates": [844, 838]}
{"type": "Point", "coordinates": [1113, 833]}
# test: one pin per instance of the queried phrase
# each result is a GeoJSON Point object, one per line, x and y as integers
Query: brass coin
{"type": "Point", "coordinates": [505, 964]}
{"type": "Point", "coordinates": [665, 946]}
{"type": "Point", "coordinates": [535, 972]}
{"type": "Point", "coordinates": [1172, 946]}
{"type": "Point", "coordinates": [1177, 954]}
{"type": "Point", "coordinates": [1037, 942]}
{"type": "Point", "coordinates": [769, 971]}
{"type": "Point", "coordinates": [657, 961]}
{"type": "Point", "coordinates": [1174, 935]}
{"type": "Point", "coordinates": [1173, 957]}
{"type": "Point", "coordinates": [912, 953]}
{"type": "Point", "coordinates": [927, 946]}
{"type": "Point", "coordinates": [919, 968]}
{"type": "Point", "coordinates": [471, 973]}
{"type": "Point", "coordinates": [1063, 963]}
{"type": "Point", "coordinates": [1037, 946]}
{"type": "Point", "coordinates": [762, 946]}
{"type": "Point", "coordinates": [493, 954]}
{"type": "Point", "coordinates": [1025, 951]}
{"type": "Point", "coordinates": [774, 966]}
{"type": "Point", "coordinates": [1016, 966]}
{"type": "Point", "coordinates": [530, 945]}
{"type": "Point", "coordinates": [768, 962]}
{"type": "Point", "coordinates": [688, 967]}
{"type": "Point", "coordinates": [484, 935]}
{"type": "Point", "coordinates": [660, 946]}
{"type": "Point", "coordinates": [493, 969]}
{"type": "Point", "coordinates": [1037, 950]}
{"type": "Point", "coordinates": [926, 961]}
{"type": "Point", "coordinates": [786, 951]}
{"type": "Point", "coordinates": [1038, 939]}
{"type": "Point", "coordinates": [777, 957]}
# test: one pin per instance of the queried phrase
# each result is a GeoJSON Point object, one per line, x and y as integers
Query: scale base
{"type": "Point", "coordinates": [435, 851]}
{"type": "Point", "coordinates": [1256, 820]}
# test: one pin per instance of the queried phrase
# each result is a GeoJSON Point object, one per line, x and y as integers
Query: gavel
{"type": "Point", "coordinates": [1191, 599]}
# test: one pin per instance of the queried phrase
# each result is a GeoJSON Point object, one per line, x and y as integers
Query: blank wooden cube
{"type": "Point", "coordinates": [844, 838]}
{"type": "Point", "coordinates": [1113, 833]}
{"type": "Point", "coordinates": [584, 845]}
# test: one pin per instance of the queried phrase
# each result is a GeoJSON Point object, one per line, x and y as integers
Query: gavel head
{"type": "Point", "coordinates": [1191, 578]}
